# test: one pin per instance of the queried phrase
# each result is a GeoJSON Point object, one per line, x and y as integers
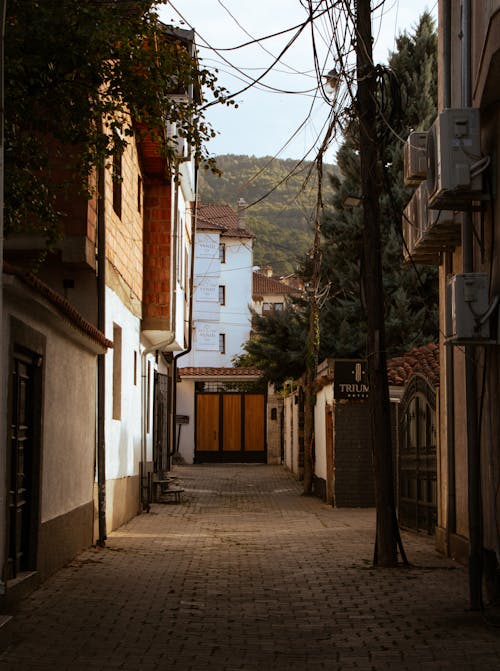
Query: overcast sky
{"type": "Point", "coordinates": [266, 120]}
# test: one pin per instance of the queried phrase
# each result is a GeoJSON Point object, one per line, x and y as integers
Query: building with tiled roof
{"type": "Point", "coordinates": [224, 219]}
{"type": "Point", "coordinates": [269, 293]}
{"type": "Point", "coordinates": [423, 360]}
{"type": "Point", "coordinates": [211, 373]}
{"type": "Point", "coordinates": [223, 266]}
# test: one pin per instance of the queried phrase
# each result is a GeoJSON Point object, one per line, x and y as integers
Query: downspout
{"type": "Point", "coordinates": [473, 448]}
{"type": "Point", "coordinates": [190, 314]}
{"type": "Point", "coordinates": [171, 399]}
{"type": "Point", "coordinates": [158, 347]}
{"type": "Point", "coordinates": [451, 514]}
{"type": "Point", "coordinates": [101, 358]}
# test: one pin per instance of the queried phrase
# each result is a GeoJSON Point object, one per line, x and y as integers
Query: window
{"type": "Point", "coordinates": [222, 343]}
{"type": "Point", "coordinates": [271, 307]}
{"type": "Point", "coordinates": [117, 372]}
{"type": "Point", "coordinates": [222, 294]}
{"type": "Point", "coordinates": [117, 179]}
{"type": "Point", "coordinates": [222, 252]}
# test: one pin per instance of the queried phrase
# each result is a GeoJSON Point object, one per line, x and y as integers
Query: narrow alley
{"type": "Point", "coordinates": [247, 574]}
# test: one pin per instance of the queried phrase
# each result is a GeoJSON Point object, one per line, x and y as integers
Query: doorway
{"type": "Point", "coordinates": [24, 462]}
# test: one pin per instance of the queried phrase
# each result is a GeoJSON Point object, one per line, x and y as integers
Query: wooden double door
{"type": "Point", "coordinates": [230, 427]}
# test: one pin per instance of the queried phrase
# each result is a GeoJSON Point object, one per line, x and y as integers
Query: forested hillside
{"type": "Point", "coordinates": [281, 204]}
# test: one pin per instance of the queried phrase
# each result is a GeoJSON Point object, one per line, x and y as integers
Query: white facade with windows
{"type": "Point", "coordinates": [222, 288]}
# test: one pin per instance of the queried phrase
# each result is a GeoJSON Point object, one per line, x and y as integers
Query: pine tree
{"type": "Point", "coordinates": [407, 99]}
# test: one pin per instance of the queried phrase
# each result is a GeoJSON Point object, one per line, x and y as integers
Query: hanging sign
{"type": "Point", "coordinates": [350, 380]}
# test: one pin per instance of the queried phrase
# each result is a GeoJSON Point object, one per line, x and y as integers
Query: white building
{"type": "Point", "coordinates": [221, 325]}
{"type": "Point", "coordinates": [222, 287]}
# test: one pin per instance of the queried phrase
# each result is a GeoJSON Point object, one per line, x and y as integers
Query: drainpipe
{"type": "Point", "coordinates": [451, 516]}
{"type": "Point", "coordinates": [101, 358]}
{"type": "Point", "coordinates": [190, 315]}
{"type": "Point", "coordinates": [473, 447]}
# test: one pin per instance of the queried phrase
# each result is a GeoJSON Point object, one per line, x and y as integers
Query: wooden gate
{"type": "Point", "coordinates": [230, 427]}
{"type": "Point", "coordinates": [417, 457]}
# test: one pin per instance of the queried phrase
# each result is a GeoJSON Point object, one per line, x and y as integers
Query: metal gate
{"type": "Point", "coordinates": [417, 457]}
{"type": "Point", "coordinates": [160, 423]}
{"type": "Point", "coordinates": [230, 427]}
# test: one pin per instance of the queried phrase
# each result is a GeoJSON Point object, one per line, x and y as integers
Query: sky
{"type": "Point", "coordinates": [288, 123]}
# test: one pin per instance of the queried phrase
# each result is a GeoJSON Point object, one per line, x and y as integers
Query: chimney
{"type": "Point", "coordinates": [242, 205]}
{"type": "Point", "coordinates": [268, 271]}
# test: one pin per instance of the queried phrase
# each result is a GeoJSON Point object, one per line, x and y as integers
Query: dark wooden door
{"type": "Point", "coordinates": [22, 486]}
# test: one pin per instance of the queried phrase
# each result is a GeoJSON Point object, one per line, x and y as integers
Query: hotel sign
{"type": "Point", "coordinates": [207, 246]}
{"type": "Point", "coordinates": [350, 380]}
{"type": "Point", "coordinates": [207, 337]}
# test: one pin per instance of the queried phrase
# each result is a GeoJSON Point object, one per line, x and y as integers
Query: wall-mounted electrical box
{"type": "Point", "coordinates": [468, 319]}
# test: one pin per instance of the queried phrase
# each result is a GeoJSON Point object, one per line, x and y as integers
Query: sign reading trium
{"type": "Point", "coordinates": [350, 380]}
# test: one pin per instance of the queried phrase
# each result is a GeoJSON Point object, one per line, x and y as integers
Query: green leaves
{"type": "Point", "coordinates": [74, 69]}
{"type": "Point", "coordinates": [277, 345]}
{"type": "Point", "coordinates": [409, 101]}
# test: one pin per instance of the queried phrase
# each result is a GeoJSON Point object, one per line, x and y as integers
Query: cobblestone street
{"type": "Point", "coordinates": [247, 574]}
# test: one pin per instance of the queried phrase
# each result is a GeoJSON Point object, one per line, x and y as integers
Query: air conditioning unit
{"type": "Point", "coordinates": [414, 223]}
{"type": "Point", "coordinates": [453, 150]}
{"type": "Point", "coordinates": [439, 229]}
{"type": "Point", "coordinates": [415, 158]}
{"type": "Point", "coordinates": [468, 315]}
{"type": "Point", "coordinates": [409, 229]}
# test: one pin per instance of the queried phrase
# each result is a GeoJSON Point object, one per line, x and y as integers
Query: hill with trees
{"type": "Point", "coordinates": [281, 197]}
{"type": "Point", "coordinates": [411, 292]}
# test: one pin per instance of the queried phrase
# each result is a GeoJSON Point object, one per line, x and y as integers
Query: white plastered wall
{"type": "Point", "coordinates": [123, 436]}
{"type": "Point", "coordinates": [68, 417]}
{"type": "Point", "coordinates": [323, 397]}
{"type": "Point", "coordinates": [186, 406]}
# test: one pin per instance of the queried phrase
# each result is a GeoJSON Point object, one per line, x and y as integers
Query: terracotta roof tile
{"type": "Point", "coordinates": [423, 360]}
{"type": "Point", "coordinates": [222, 218]}
{"type": "Point", "coordinates": [270, 285]}
{"type": "Point", "coordinates": [218, 372]}
{"type": "Point", "coordinates": [63, 306]}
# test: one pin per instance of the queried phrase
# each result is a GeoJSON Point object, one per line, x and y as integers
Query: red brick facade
{"type": "Point", "coordinates": [157, 246]}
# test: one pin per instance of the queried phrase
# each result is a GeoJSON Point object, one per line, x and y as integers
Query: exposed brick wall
{"type": "Point", "coordinates": [124, 234]}
{"type": "Point", "coordinates": [353, 455]}
{"type": "Point", "coordinates": [157, 241]}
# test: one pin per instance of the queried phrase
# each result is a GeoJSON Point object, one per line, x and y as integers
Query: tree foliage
{"type": "Point", "coordinates": [283, 219]}
{"type": "Point", "coordinates": [278, 344]}
{"type": "Point", "coordinates": [407, 99]}
{"type": "Point", "coordinates": [79, 76]}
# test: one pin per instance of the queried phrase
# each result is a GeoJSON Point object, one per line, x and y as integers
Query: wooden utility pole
{"type": "Point", "coordinates": [387, 533]}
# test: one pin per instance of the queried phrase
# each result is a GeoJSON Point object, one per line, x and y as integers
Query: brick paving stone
{"type": "Point", "coordinates": [248, 575]}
